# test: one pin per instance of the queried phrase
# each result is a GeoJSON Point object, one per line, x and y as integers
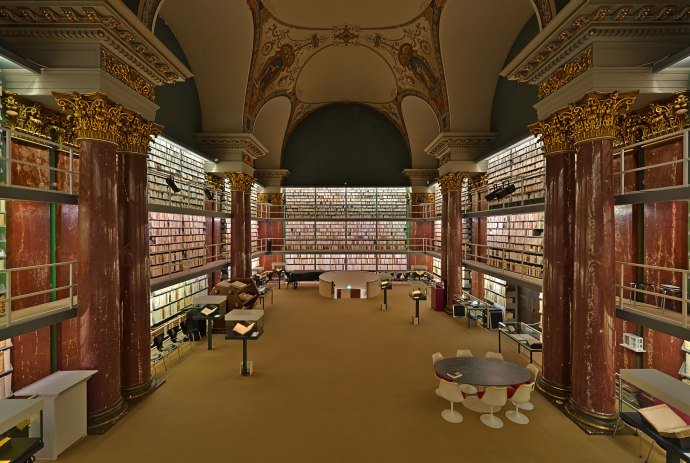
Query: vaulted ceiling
{"type": "Point", "coordinates": [263, 65]}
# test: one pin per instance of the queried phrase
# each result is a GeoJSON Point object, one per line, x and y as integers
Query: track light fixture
{"type": "Point", "coordinates": [171, 183]}
{"type": "Point", "coordinates": [209, 194]}
{"type": "Point", "coordinates": [501, 192]}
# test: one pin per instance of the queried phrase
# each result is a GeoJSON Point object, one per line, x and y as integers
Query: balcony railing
{"type": "Point", "coordinates": [344, 212]}
{"type": "Point", "coordinates": [192, 195]}
{"type": "Point", "coordinates": [26, 307]}
{"type": "Point", "coordinates": [526, 264]}
{"type": "Point", "coordinates": [36, 166]}
{"type": "Point", "coordinates": [177, 260]}
{"type": "Point", "coordinates": [529, 189]}
{"type": "Point", "coordinates": [662, 296]}
{"type": "Point", "coordinates": [422, 245]}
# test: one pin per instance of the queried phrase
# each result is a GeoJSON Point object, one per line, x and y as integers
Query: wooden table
{"type": "Point", "coordinates": [481, 372]}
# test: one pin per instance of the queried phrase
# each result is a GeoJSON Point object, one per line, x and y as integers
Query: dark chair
{"type": "Point", "coordinates": [159, 354]}
{"type": "Point", "coordinates": [173, 334]}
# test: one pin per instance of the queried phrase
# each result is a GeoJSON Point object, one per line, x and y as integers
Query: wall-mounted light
{"type": "Point", "coordinates": [171, 183]}
{"type": "Point", "coordinates": [209, 194]}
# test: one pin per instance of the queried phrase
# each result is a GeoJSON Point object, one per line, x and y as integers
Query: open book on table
{"type": "Point", "coordinates": [239, 328]}
{"type": "Point", "coordinates": [207, 311]}
{"type": "Point", "coordinates": [666, 421]}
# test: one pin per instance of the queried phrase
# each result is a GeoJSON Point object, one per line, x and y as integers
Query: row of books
{"type": "Point", "coordinates": [161, 297]}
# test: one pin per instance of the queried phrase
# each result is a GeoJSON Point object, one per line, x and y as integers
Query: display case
{"type": "Point", "coordinates": [21, 429]}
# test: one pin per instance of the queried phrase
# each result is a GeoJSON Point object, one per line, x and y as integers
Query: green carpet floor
{"type": "Point", "coordinates": [336, 381]}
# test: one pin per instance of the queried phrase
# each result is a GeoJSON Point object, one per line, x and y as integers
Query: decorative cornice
{"type": "Point", "coordinates": [452, 181]}
{"type": "Point", "coordinates": [596, 115]}
{"type": "Point", "coordinates": [655, 120]}
{"type": "Point", "coordinates": [239, 181]}
{"type": "Point", "coordinates": [127, 75]}
{"type": "Point", "coordinates": [479, 181]}
{"type": "Point", "coordinates": [581, 23]}
{"type": "Point", "coordinates": [270, 198]}
{"type": "Point", "coordinates": [217, 145]}
{"type": "Point", "coordinates": [555, 133]}
{"type": "Point", "coordinates": [136, 133]}
{"type": "Point", "coordinates": [94, 115]}
{"type": "Point", "coordinates": [107, 22]}
{"type": "Point", "coordinates": [446, 142]}
{"type": "Point", "coordinates": [262, 174]}
{"type": "Point", "coordinates": [421, 198]}
{"type": "Point", "coordinates": [561, 76]}
{"type": "Point", "coordinates": [34, 119]}
{"type": "Point", "coordinates": [546, 10]}
{"type": "Point", "coordinates": [421, 174]}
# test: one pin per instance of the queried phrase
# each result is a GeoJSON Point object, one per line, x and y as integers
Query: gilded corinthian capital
{"type": "Point", "coordinates": [596, 115]}
{"type": "Point", "coordinates": [94, 115]}
{"type": "Point", "coordinates": [452, 181]}
{"type": "Point", "coordinates": [136, 134]}
{"type": "Point", "coordinates": [239, 181]}
{"type": "Point", "coordinates": [555, 134]}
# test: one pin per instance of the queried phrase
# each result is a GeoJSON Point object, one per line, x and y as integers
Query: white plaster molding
{"type": "Point", "coordinates": [421, 177]}
{"type": "Point", "coordinates": [231, 146]}
{"type": "Point", "coordinates": [468, 167]}
{"type": "Point", "coordinates": [271, 178]}
{"type": "Point", "coordinates": [460, 146]}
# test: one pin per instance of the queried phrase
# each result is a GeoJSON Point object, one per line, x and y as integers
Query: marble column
{"type": "Point", "coordinates": [593, 122]}
{"type": "Point", "coordinates": [97, 123]}
{"type": "Point", "coordinates": [135, 286]}
{"type": "Point", "coordinates": [559, 229]}
{"type": "Point", "coordinates": [451, 185]}
{"type": "Point", "coordinates": [241, 251]}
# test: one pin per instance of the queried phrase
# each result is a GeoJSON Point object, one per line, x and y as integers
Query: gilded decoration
{"type": "Point", "coordinates": [239, 181]}
{"type": "Point", "coordinates": [555, 134]}
{"type": "Point", "coordinates": [30, 118]}
{"type": "Point", "coordinates": [479, 181]}
{"type": "Point", "coordinates": [127, 75]}
{"type": "Point", "coordinates": [569, 71]}
{"type": "Point", "coordinates": [452, 181]}
{"type": "Point", "coordinates": [410, 50]}
{"type": "Point", "coordinates": [270, 198]}
{"type": "Point", "coordinates": [546, 10]}
{"type": "Point", "coordinates": [655, 120]}
{"type": "Point", "coordinates": [596, 115]}
{"type": "Point", "coordinates": [217, 183]}
{"type": "Point", "coordinates": [136, 133]}
{"type": "Point", "coordinates": [421, 198]}
{"type": "Point", "coordinates": [94, 115]}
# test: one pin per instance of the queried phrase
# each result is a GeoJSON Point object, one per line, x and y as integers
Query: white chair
{"type": "Point", "coordinates": [435, 358]}
{"type": "Point", "coordinates": [495, 398]}
{"type": "Point", "coordinates": [521, 396]}
{"type": "Point", "coordinates": [452, 393]}
{"type": "Point", "coordinates": [494, 355]}
{"type": "Point", "coordinates": [464, 353]}
{"type": "Point", "coordinates": [534, 371]}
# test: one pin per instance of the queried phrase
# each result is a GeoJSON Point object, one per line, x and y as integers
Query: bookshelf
{"type": "Point", "coordinates": [514, 244]}
{"type": "Point", "coordinates": [392, 235]}
{"type": "Point", "coordinates": [392, 262]}
{"type": "Point", "coordinates": [167, 158]}
{"type": "Point", "coordinates": [300, 202]}
{"type": "Point", "coordinates": [466, 279]}
{"type": "Point", "coordinates": [391, 202]}
{"type": "Point", "coordinates": [436, 266]}
{"type": "Point", "coordinates": [361, 236]}
{"type": "Point", "coordinates": [300, 261]}
{"type": "Point", "coordinates": [330, 236]}
{"type": "Point", "coordinates": [438, 200]}
{"type": "Point", "coordinates": [6, 368]}
{"type": "Point", "coordinates": [167, 303]}
{"type": "Point", "coordinates": [298, 235]}
{"type": "Point", "coordinates": [526, 160]}
{"type": "Point", "coordinates": [500, 292]}
{"type": "Point", "coordinates": [365, 262]}
{"type": "Point", "coordinates": [176, 242]}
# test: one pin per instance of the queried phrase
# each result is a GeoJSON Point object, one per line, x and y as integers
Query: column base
{"type": "Point", "coordinates": [135, 393]}
{"type": "Point", "coordinates": [554, 393]}
{"type": "Point", "coordinates": [590, 422]}
{"type": "Point", "coordinates": [101, 422]}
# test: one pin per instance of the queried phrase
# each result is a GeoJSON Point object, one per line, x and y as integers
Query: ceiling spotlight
{"type": "Point", "coordinates": [209, 194]}
{"type": "Point", "coordinates": [493, 194]}
{"type": "Point", "coordinates": [171, 183]}
{"type": "Point", "coordinates": [506, 191]}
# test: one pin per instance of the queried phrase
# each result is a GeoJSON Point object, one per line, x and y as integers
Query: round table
{"type": "Point", "coordinates": [481, 372]}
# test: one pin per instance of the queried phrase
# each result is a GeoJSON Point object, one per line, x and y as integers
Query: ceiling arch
{"type": "Point", "coordinates": [217, 37]}
{"type": "Point", "coordinates": [270, 127]}
{"type": "Point", "coordinates": [474, 48]}
{"type": "Point", "coordinates": [422, 127]}
{"type": "Point", "coordinates": [329, 75]}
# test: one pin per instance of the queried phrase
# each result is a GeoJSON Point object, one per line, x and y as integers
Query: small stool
{"type": "Point", "coordinates": [668, 290]}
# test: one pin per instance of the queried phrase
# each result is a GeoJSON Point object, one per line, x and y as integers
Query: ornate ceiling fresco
{"type": "Point", "coordinates": [282, 52]}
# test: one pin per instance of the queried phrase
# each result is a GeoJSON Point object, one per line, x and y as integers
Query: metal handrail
{"type": "Point", "coordinates": [6, 312]}
{"type": "Point", "coordinates": [471, 205]}
{"type": "Point", "coordinates": [499, 260]}
{"type": "Point", "coordinates": [175, 265]}
{"type": "Point", "coordinates": [684, 160]}
{"type": "Point", "coordinates": [7, 160]}
{"type": "Point", "coordinates": [192, 191]}
{"type": "Point", "coordinates": [345, 245]}
{"type": "Point", "coordinates": [633, 292]}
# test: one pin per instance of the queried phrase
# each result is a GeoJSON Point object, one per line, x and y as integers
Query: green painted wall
{"type": "Point", "coordinates": [180, 110]}
{"type": "Point", "coordinates": [346, 143]}
{"type": "Point", "coordinates": [513, 102]}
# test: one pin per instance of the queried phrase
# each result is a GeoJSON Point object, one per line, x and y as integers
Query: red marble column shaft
{"type": "Point", "coordinates": [99, 311]}
{"type": "Point", "coordinates": [444, 237]}
{"type": "Point", "coordinates": [559, 228]}
{"type": "Point", "coordinates": [135, 283]}
{"type": "Point", "coordinates": [247, 234]}
{"type": "Point", "coordinates": [454, 246]}
{"type": "Point", "coordinates": [240, 255]}
{"type": "Point", "coordinates": [593, 315]}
